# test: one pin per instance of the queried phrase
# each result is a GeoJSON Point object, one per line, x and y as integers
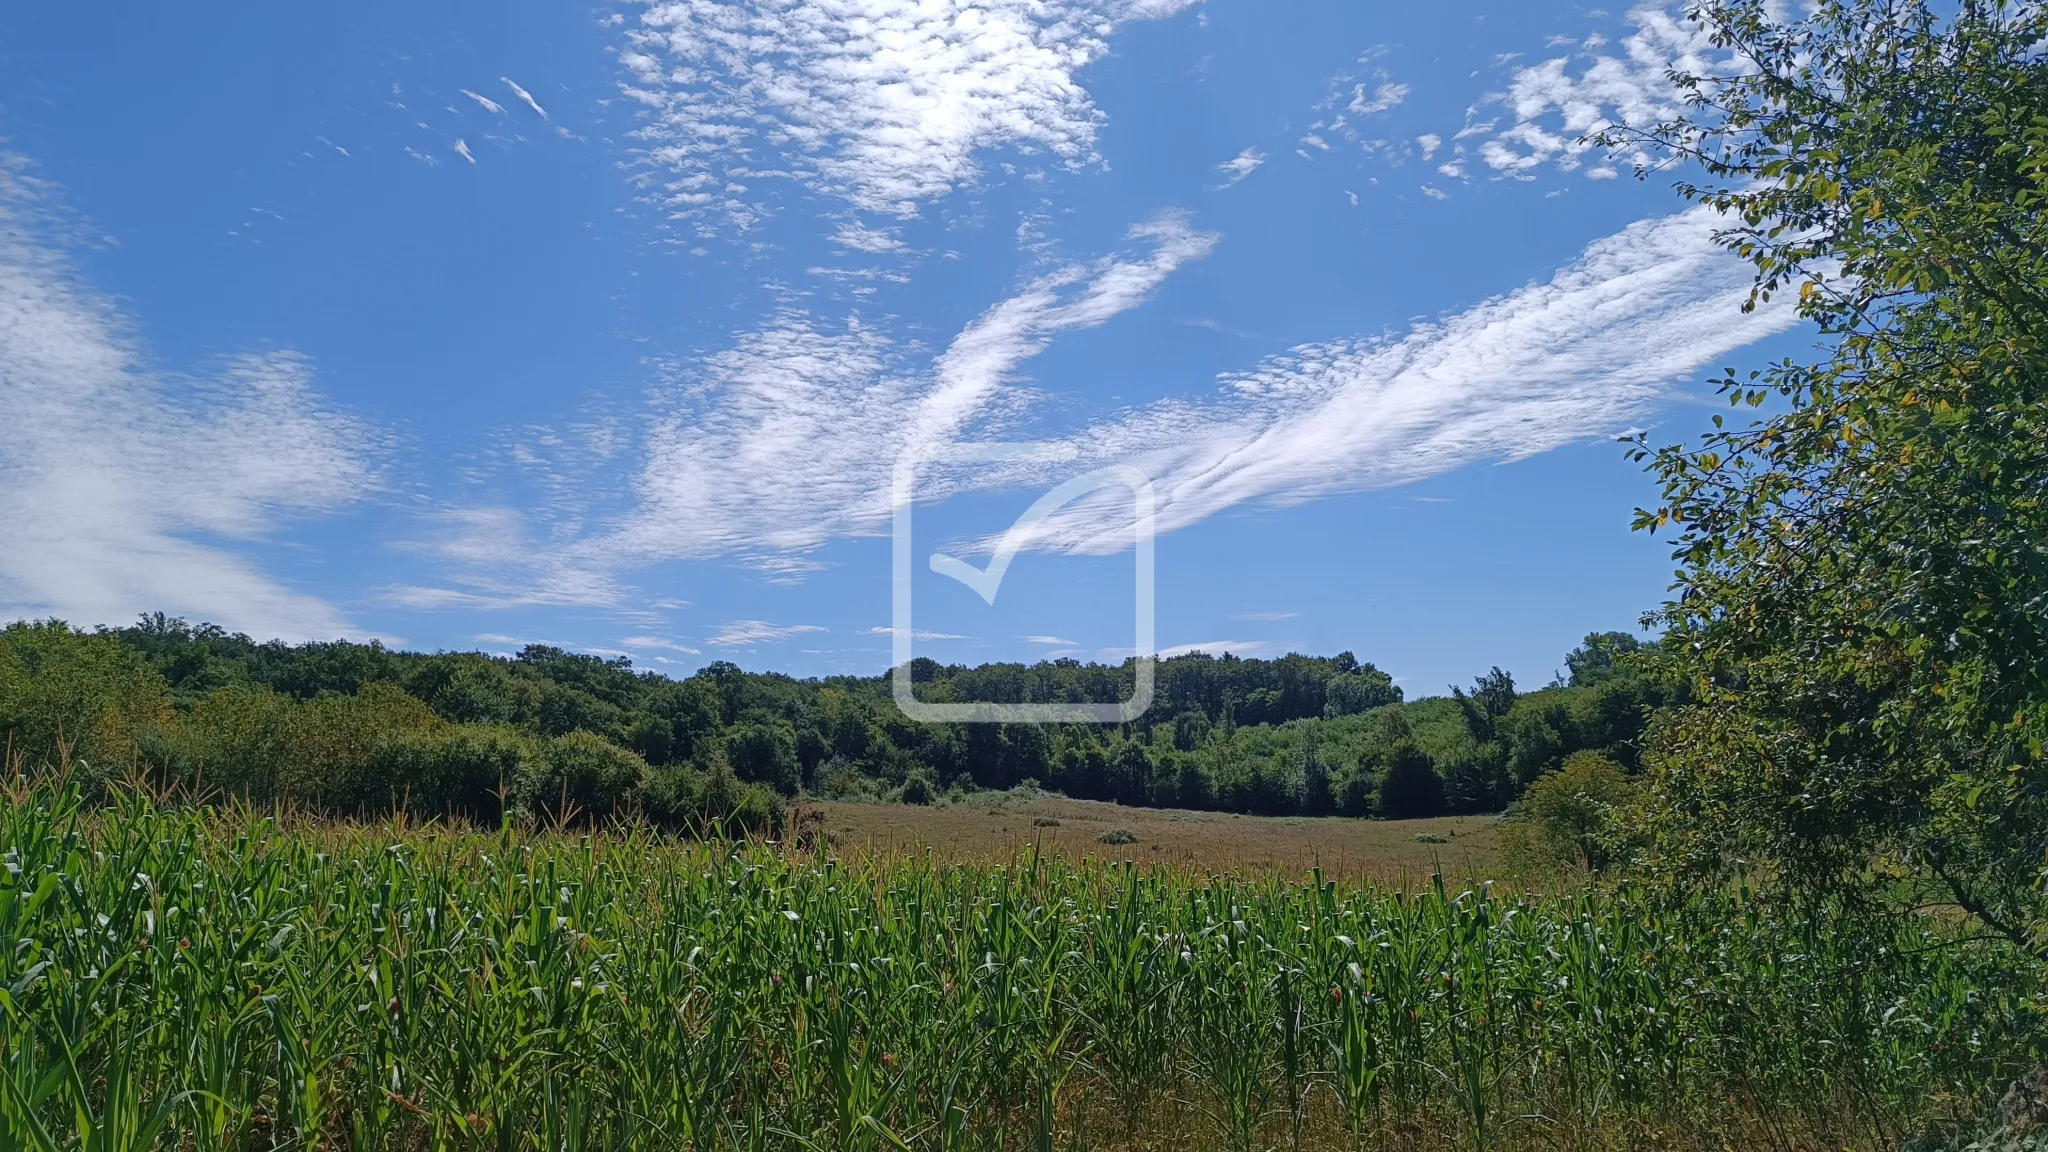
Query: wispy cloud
{"type": "Point", "coordinates": [1266, 617]}
{"type": "Point", "coordinates": [1564, 360]}
{"type": "Point", "coordinates": [740, 633]}
{"type": "Point", "coordinates": [861, 238]}
{"type": "Point", "coordinates": [1242, 165]}
{"type": "Point", "coordinates": [1049, 641]}
{"type": "Point", "coordinates": [124, 486]}
{"type": "Point", "coordinates": [882, 103]}
{"type": "Point", "coordinates": [915, 633]}
{"type": "Point", "coordinates": [656, 643]}
{"type": "Point", "coordinates": [1386, 95]}
{"type": "Point", "coordinates": [461, 149]}
{"type": "Point", "coordinates": [488, 104]}
{"type": "Point", "coordinates": [525, 97]}
{"type": "Point", "coordinates": [788, 438]}
{"type": "Point", "coordinates": [1207, 647]}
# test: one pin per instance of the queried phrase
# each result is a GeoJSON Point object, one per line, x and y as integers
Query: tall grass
{"type": "Point", "coordinates": [183, 979]}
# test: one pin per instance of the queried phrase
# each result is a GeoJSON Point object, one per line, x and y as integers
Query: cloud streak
{"type": "Point", "coordinates": [741, 633]}
{"type": "Point", "coordinates": [788, 439]}
{"type": "Point", "coordinates": [123, 486]}
{"type": "Point", "coordinates": [1549, 364]}
{"type": "Point", "coordinates": [525, 97]}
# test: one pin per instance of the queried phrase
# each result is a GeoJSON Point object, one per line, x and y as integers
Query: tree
{"type": "Point", "coordinates": [1410, 787]}
{"type": "Point", "coordinates": [1599, 657]}
{"type": "Point", "coordinates": [1361, 690]}
{"type": "Point", "coordinates": [1858, 618]}
{"type": "Point", "coordinates": [1312, 775]}
{"type": "Point", "coordinates": [1567, 813]}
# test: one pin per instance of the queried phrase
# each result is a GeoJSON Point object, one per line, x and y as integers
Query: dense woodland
{"type": "Point", "coordinates": [362, 729]}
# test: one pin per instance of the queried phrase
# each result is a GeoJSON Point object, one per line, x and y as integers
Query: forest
{"type": "Point", "coordinates": [363, 730]}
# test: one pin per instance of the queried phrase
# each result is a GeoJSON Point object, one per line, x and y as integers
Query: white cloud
{"type": "Point", "coordinates": [1430, 142]}
{"type": "Point", "coordinates": [1569, 359]}
{"type": "Point", "coordinates": [488, 104]}
{"type": "Point", "coordinates": [645, 643]}
{"type": "Point", "coordinates": [1207, 647]}
{"type": "Point", "coordinates": [789, 438]}
{"type": "Point", "coordinates": [861, 238]}
{"type": "Point", "coordinates": [1267, 617]}
{"type": "Point", "coordinates": [462, 150]}
{"type": "Point", "coordinates": [1049, 641]}
{"type": "Point", "coordinates": [740, 633]}
{"type": "Point", "coordinates": [1558, 102]}
{"type": "Point", "coordinates": [915, 633]}
{"type": "Point", "coordinates": [525, 96]}
{"type": "Point", "coordinates": [1242, 165]}
{"type": "Point", "coordinates": [1386, 96]}
{"type": "Point", "coordinates": [883, 103]}
{"type": "Point", "coordinates": [121, 485]}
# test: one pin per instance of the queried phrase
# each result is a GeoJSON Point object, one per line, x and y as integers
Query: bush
{"type": "Point", "coordinates": [66, 695]}
{"type": "Point", "coordinates": [1410, 787]}
{"type": "Point", "coordinates": [765, 753]}
{"type": "Point", "coordinates": [458, 770]}
{"type": "Point", "coordinates": [581, 776]}
{"type": "Point", "coordinates": [919, 788]}
{"type": "Point", "coordinates": [1565, 816]}
{"type": "Point", "coordinates": [726, 803]}
{"type": "Point", "coordinates": [1353, 791]}
{"type": "Point", "coordinates": [1117, 836]}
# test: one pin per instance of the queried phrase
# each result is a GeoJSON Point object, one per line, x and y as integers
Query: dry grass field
{"type": "Point", "coordinates": [1003, 826]}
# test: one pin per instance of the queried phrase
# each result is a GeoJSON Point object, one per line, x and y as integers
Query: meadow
{"type": "Point", "coordinates": [223, 979]}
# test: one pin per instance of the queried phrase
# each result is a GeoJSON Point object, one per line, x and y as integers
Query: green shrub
{"type": "Point", "coordinates": [580, 776]}
{"type": "Point", "coordinates": [764, 752]}
{"type": "Point", "coordinates": [1410, 787]}
{"type": "Point", "coordinates": [68, 695]}
{"type": "Point", "coordinates": [1565, 816]}
{"type": "Point", "coordinates": [919, 788]}
{"type": "Point", "coordinates": [458, 770]}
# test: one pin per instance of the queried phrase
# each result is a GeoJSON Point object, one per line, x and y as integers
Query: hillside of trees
{"type": "Point", "coordinates": [362, 729]}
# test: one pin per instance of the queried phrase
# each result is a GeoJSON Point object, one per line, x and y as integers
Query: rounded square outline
{"type": "Point", "coordinates": [901, 687]}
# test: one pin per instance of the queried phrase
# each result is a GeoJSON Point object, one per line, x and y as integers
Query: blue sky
{"type": "Point", "coordinates": [470, 325]}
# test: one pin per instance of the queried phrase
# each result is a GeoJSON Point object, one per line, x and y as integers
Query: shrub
{"type": "Point", "coordinates": [1117, 836]}
{"type": "Point", "coordinates": [461, 770]}
{"type": "Point", "coordinates": [1565, 815]}
{"type": "Point", "coordinates": [581, 776]}
{"type": "Point", "coordinates": [1353, 790]}
{"type": "Point", "coordinates": [1410, 787]}
{"type": "Point", "coordinates": [65, 694]}
{"type": "Point", "coordinates": [764, 752]}
{"type": "Point", "coordinates": [726, 802]}
{"type": "Point", "coordinates": [919, 788]}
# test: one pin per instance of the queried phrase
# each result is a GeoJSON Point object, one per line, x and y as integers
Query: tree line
{"type": "Point", "coordinates": [363, 729]}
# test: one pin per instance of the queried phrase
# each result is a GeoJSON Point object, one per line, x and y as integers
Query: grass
{"type": "Point", "coordinates": [999, 827]}
{"type": "Point", "coordinates": [204, 981]}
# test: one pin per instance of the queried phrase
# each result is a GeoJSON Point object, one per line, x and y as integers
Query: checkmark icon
{"type": "Point", "coordinates": [986, 581]}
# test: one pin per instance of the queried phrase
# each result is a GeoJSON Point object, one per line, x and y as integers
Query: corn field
{"type": "Point", "coordinates": [173, 978]}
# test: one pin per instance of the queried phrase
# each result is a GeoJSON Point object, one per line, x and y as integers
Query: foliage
{"type": "Point", "coordinates": [233, 984]}
{"type": "Point", "coordinates": [64, 696]}
{"type": "Point", "coordinates": [1409, 786]}
{"type": "Point", "coordinates": [360, 729]}
{"type": "Point", "coordinates": [1859, 615]}
{"type": "Point", "coordinates": [1567, 816]}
